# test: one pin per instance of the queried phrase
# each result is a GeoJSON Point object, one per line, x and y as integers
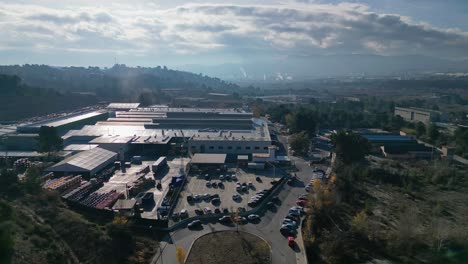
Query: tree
{"type": "Point", "coordinates": [396, 122]}
{"type": "Point", "coordinates": [180, 254]}
{"type": "Point", "coordinates": [300, 143]}
{"type": "Point", "coordinates": [360, 222]}
{"type": "Point", "coordinates": [432, 133]}
{"type": "Point", "coordinates": [303, 120]}
{"type": "Point", "coordinates": [8, 182]}
{"type": "Point", "coordinates": [123, 242]}
{"type": "Point", "coordinates": [145, 99]}
{"type": "Point", "coordinates": [32, 181]}
{"type": "Point", "coordinates": [49, 140]}
{"type": "Point", "coordinates": [461, 139]}
{"type": "Point", "coordinates": [350, 147]}
{"type": "Point", "coordinates": [420, 129]}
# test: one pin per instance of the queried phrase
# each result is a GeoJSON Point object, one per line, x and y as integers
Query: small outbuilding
{"type": "Point", "coordinates": [208, 160]}
{"type": "Point", "coordinates": [125, 207]}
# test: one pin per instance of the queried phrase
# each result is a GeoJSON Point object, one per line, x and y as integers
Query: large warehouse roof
{"type": "Point", "coordinates": [84, 161]}
{"type": "Point", "coordinates": [203, 158]}
{"type": "Point", "coordinates": [123, 105]}
{"type": "Point", "coordinates": [60, 121]}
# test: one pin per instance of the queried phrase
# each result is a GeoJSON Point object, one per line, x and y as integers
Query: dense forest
{"type": "Point", "coordinates": [18, 100]}
{"type": "Point", "coordinates": [114, 82]}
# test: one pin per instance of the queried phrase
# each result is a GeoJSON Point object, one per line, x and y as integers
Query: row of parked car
{"type": "Point", "coordinates": [226, 219]}
{"type": "Point", "coordinates": [292, 221]}
{"type": "Point", "coordinates": [257, 198]}
{"type": "Point", "coordinates": [214, 198]}
{"type": "Point", "coordinates": [244, 187]}
{"type": "Point", "coordinates": [222, 177]}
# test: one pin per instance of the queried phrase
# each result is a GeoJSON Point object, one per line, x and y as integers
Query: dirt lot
{"type": "Point", "coordinates": [229, 247]}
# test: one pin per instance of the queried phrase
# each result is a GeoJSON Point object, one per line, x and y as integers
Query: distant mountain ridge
{"type": "Point", "coordinates": [320, 66]}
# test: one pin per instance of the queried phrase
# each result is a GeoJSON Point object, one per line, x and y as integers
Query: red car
{"type": "Point", "coordinates": [301, 202]}
{"type": "Point", "coordinates": [291, 241]}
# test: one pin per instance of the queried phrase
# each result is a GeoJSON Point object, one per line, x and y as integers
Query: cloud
{"type": "Point", "coordinates": [290, 28]}
{"type": "Point", "coordinates": [72, 19]}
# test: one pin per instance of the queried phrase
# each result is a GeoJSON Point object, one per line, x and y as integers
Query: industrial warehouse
{"type": "Point", "coordinates": [163, 130]}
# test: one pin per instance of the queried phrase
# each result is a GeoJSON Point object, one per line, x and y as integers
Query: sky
{"type": "Point", "coordinates": [177, 32]}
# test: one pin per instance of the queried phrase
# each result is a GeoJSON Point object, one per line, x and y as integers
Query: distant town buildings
{"type": "Point", "coordinates": [426, 116]}
{"type": "Point", "coordinates": [398, 147]}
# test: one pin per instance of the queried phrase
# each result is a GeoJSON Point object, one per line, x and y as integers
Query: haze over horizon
{"type": "Point", "coordinates": [198, 35]}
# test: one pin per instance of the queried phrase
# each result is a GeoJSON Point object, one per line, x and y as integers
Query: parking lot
{"type": "Point", "coordinates": [198, 186]}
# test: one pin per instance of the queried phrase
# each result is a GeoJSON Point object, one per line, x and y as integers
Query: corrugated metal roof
{"type": "Point", "coordinates": [208, 158]}
{"type": "Point", "coordinates": [84, 161]}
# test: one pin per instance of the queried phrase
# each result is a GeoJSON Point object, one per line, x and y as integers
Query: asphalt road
{"type": "Point", "coordinates": [267, 227]}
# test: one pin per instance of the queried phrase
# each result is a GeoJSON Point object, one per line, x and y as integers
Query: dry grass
{"type": "Point", "coordinates": [229, 247]}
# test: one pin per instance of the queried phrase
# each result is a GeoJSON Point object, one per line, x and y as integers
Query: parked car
{"type": "Point", "coordinates": [299, 208]}
{"type": "Point", "coordinates": [241, 209]}
{"type": "Point", "coordinates": [198, 211]}
{"type": "Point", "coordinates": [225, 211]}
{"type": "Point", "coordinates": [183, 213]}
{"type": "Point", "coordinates": [258, 179]}
{"type": "Point", "coordinates": [196, 197]}
{"type": "Point", "coordinates": [294, 213]}
{"type": "Point", "coordinates": [233, 177]}
{"type": "Point", "coordinates": [270, 205]}
{"type": "Point", "coordinates": [253, 217]}
{"type": "Point", "coordinates": [293, 217]}
{"type": "Point", "coordinates": [221, 177]}
{"type": "Point", "coordinates": [236, 197]}
{"type": "Point", "coordinates": [215, 201]}
{"type": "Point", "coordinates": [287, 231]}
{"type": "Point", "coordinates": [214, 185]}
{"type": "Point", "coordinates": [207, 196]}
{"type": "Point", "coordinates": [207, 177]}
{"type": "Point", "coordinates": [289, 221]}
{"type": "Point", "coordinates": [214, 196]}
{"type": "Point", "coordinates": [189, 198]}
{"type": "Point", "coordinates": [207, 210]}
{"type": "Point", "coordinates": [291, 241]}
{"type": "Point", "coordinates": [225, 219]}
{"type": "Point", "coordinates": [240, 219]}
{"type": "Point", "coordinates": [194, 223]}
{"type": "Point", "coordinates": [175, 216]}
{"type": "Point", "coordinates": [217, 210]}
{"type": "Point", "coordinates": [244, 188]}
{"type": "Point", "coordinates": [208, 184]}
{"type": "Point", "coordinates": [250, 184]}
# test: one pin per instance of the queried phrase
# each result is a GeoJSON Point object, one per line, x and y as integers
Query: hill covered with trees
{"type": "Point", "coordinates": [112, 82]}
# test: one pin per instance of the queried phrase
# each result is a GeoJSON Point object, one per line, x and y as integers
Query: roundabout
{"type": "Point", "coordinates": [229, 247]}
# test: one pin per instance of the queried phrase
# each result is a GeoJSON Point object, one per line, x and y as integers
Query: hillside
{"type": "Point", "coordinates": [19, 101]}
{"type": "Point", "coordinates": [112, 82]}
{"type": "Point", "coordinates": [390, 212]}
{"type": "Point", "coordinates": [37, 227]}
